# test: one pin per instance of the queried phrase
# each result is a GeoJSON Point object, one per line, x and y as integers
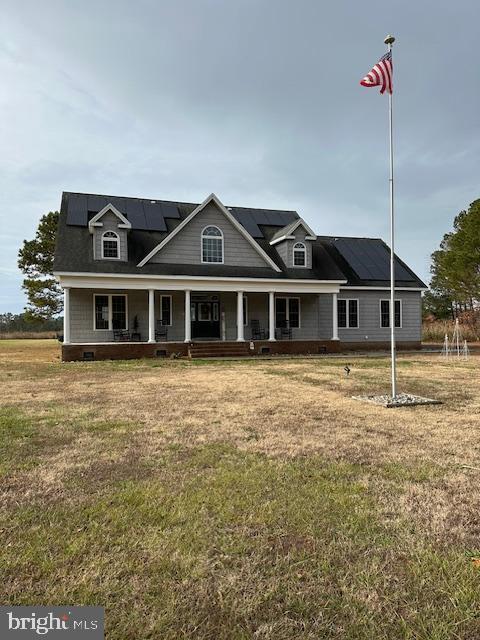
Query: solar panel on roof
{"type": "Point", "coordinates": [260, 217]}
{"type": "Point", "coordinates": [276, 218]}
{"type": "Point", "coordinates": [135, 213]}
{"type": "Point", "coordinates": [370, 259]}
{"type": "Point", "coordinates": [96, 203]}
{"type": "Point", "coordinates": [246, 219]}
{"type": "Point", "coordinates": [77, 212]}
{"type": "Point", "coordinates": [153, 216]}
{"type": "Point", "coordinates": [169, 210]}
{"type": "Point", "coordinates": [118, 203]}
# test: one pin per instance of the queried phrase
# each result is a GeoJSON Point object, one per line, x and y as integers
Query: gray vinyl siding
{"type": "Point", "coordinates": [185, 248]}
{"type": "Point", "coordinates": [82, 317]}
{"type": "Point", "coordinates": [110, 223]}
{"type": "Point", "coordinates": [325, 316]}
{"type": "Point", "coordinates": [285, 248]}
{"type": "Point", "coordinates": [369, 329]}
{"type": "Point", "coordinates": [257, 309]}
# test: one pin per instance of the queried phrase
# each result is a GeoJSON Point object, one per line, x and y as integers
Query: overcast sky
{"type": "Point", "coordinates": [256, 100]}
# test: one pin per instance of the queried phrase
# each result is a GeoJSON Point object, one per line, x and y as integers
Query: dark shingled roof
{"type": "Point", "coordinates": [153, 220]}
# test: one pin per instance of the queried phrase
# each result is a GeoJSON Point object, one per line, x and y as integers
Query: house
{"type": "Point", "coordinates": [151, 278]}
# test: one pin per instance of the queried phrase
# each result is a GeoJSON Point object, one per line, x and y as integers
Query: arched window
{"type": "Point", "coordinates": [299, 255]}
{"type": "Point", "coordinates": [110, 245]}
{"type": "Point", "coordinates": [212, 245]}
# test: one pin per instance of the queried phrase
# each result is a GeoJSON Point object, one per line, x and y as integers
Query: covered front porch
{"type": "Point", "coordinates": [172, 317]}
{"type": "Point", "coordinates": [105, 316]}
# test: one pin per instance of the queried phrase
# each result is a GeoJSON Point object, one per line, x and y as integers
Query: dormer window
{"type": "Point", "coordinates": [299, 255]}
{"type": "Point", "coordinates": [110, 245]}
{"type": "Point", "coordinates": [212, 245]}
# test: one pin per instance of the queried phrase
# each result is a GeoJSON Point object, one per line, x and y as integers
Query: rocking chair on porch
{"type": "Point", "coordinates": [257, 332]}
{"type": "Point", "coordinates": [120, 335]}
{"type": "Point", "coordinates": [161, 333]}
{"type": "Point", "coordinates": [284, 331]}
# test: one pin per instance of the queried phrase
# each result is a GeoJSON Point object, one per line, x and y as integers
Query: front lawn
{"type": "Point", "coordinates": [226, 501]}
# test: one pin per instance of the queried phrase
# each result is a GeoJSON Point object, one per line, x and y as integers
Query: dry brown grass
{"type": "Point", "coordinates": [421, 464]}
{"type": "Point", "coordinates": [275, 407]}
{"type": "Point", "coordinates": [28, 335]}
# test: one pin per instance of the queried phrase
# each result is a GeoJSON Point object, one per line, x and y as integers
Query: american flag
{"type": "Point", "coordinates": [381, 75]}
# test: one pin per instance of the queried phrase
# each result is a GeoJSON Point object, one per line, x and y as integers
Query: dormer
{"type": "Point", "coordinates": [294, 244]}
{"type": "Point", "coordinates": [109, 228]}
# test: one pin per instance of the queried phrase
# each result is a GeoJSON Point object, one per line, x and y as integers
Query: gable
{"type": "Point", "coordinates": [298, 229]}
{"type": "Point", "coordinates": [109, 210]}
{"type": "Point", "coordinates": [238, 242]}
{"type": "Point", "coordinates": [185, 247]}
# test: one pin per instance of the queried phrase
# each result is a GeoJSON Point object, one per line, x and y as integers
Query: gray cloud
{"type": "Point", "coordinates": [256, 100]}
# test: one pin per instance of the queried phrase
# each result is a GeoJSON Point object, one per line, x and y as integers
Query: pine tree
{"type": "Point", "coordinates": [35, 260]}
{"type": "Point", "coordinates": [456, 264]}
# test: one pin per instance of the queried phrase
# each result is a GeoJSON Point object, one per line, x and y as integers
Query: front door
{"type": "Point", "coordinates": [205, 316]}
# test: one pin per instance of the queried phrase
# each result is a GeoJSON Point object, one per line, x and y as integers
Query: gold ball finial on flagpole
{"type": "Point", "coordinates": [389, 40]}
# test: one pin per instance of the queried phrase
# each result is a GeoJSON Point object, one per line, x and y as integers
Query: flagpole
{"type": "Point", "coordinates": [389, 40]}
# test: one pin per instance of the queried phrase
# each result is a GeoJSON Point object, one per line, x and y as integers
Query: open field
{"type": "Point", "coordinates": [234, 500]}
{"type": "Point", "coordinates": [27, 335]}
{"type": "Point", "coordinates": [435, 331]}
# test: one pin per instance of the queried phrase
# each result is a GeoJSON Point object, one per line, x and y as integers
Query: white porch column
{"type": "Point", "coordinates": [188, 319]}
{"type": "Point", "coordinates": [334, 317]}
{"type": "Point", "coordinates": [271, 316]}
{"type": "Point", "coordinates": [66, 315]}
{"type": "Point", "coordinates": [151, 315]}
{"type": "Point", "coordinates": [240, 336]}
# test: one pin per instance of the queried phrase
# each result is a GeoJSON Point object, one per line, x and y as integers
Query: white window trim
{"type": "Point", "coordinates": [303, 249]}
{"type": "Point", "coordinates": [288, 310]}
{"type": "Point", "coordinates": [110, 310]}
{"type": "Point", "coordinates": [201, 244]}
{"type": "Point", "coordinates": [347, 300]}
{"type": "Point", "coordinates": [116, 239]}
{"type": "Point", "coordinates": [245, 302]}
{"type": "Point", "coordinates": [400, 300]}
{"type": "Point", "coordinates": [161, 310]}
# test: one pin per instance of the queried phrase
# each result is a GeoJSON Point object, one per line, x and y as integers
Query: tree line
{"type": "Point", "coordinates": [24, 323]}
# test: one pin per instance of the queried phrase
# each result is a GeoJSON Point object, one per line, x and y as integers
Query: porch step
{"type": "Point", "coordinates": [219, 349]}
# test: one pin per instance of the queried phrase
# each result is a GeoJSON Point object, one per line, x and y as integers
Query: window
{"type": "Point", "coordinates": [110, 245]}
{"type": "Point", "coordinates": [385, 313]}
{"type": "Point", "coordinates": [245, 311]}
{"type": "Point", "coordinates": [287, 313]}
{"type": "Point", "coordinates": [299, 255]}
{"type": "Point", "coordinates": [347, 314]}
{"type": "Point", "coordinates": [119, 312]}
{"type": "Point", "coordinates": [102, 313]}
{"type": "Point", "coordinates": [110, 312]}
{"type": "Point", "coordinates": [166, 310]}
{"type": "Point", "coordinates": [212, 245]}
{"type": "Point", "coordinates": [204, 311]}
